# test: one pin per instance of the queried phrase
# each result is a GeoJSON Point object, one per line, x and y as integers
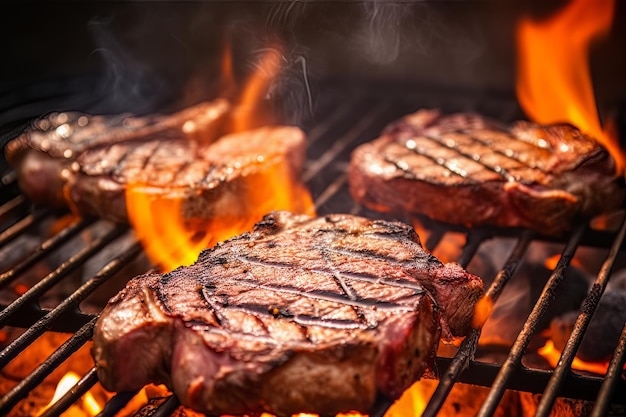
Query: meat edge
{"type": "Point", "coordinates": [210, 381]}
{"type": "Point", "coordinates": [496, 203]}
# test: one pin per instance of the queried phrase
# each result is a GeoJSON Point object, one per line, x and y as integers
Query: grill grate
{"type": "Point", "coordinates": [341, 121]}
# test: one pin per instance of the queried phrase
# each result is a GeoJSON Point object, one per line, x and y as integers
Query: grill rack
{"type": "Point", "coordinates": [339, 123]}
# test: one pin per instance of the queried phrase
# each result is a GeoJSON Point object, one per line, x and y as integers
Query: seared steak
{"type": "Point", "coordinates": [88, 162]}
{"type": "Point", "coordinates": [300, 315]}
{"type": "Point", "coordinates": [467, 169]}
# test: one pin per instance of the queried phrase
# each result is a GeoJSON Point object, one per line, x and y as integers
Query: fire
{"type": "Point", "coordinates": [171, 240]}
{"type": "Point", "coordinates": [227, 80]}
{"type": "Point", "coordinates": [482, 311]}
{"type": "Point", "coordinates": [351, 414]}
{"type": "Point", "coordinates": [553, 355]}
{"type": "Point", "coordinates": [158, 224]}
{"type": "Point", "coordinates": [552, 261]}
{"type": "Point", "coordinates": [554, 81]}
{"type": "Point", "coordinates": [413, 401]}
{"type": "Point", "coordinates": [88, 406]}
{"type": "Point", "coordinates": [251, 111]}
{"type": "Point", "coordinates": [170, 235]}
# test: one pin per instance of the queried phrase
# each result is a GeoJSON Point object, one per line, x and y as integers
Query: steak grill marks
{"type": "Point", "coordinates": [466, 168]}
{"type": "Point", "coordinates": [347, 296]}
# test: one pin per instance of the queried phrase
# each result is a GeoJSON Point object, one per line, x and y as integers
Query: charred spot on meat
{"type": "Point", "coordinates": [301, 314]}
{"type": "Point", "coordinates": [467, 169]}
{"type": "Point", "coordinates": [87, 163]}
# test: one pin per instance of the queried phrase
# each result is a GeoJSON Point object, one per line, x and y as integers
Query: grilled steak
{"type": "Point", "coordinates": [300, 315]}
{"type": "Point", "coordinates": [88, 162]}
{"type": "Point", "coordinates": [467, 169]}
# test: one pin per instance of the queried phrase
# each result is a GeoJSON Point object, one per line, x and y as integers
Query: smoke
{"type": "Point", "coordinates": [285, 14]}
{"type": "Point", "coordinates": [169, 55]}
{"type": "Point", "coordinates": [381, 38]}
{"type": "Point", "coordinates": [290, 91]}
{"type": "Point", "coordinates": [127, 82]}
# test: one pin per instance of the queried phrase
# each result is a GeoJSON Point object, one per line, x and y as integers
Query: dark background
{"type": "Point", "coordinates": [144, 55]}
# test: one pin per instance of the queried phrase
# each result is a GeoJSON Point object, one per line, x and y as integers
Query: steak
{"type": "Point", "coordinates": [467, 169]}
{"type": "Point", "coordinates": [301, 314]}
{"type": "Point", "coordinates": [89, 162]}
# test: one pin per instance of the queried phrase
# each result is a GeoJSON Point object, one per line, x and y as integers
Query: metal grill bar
{"type": "Point", "coordinates": [469, 344]}
{"type": "Point", "coordinates": [29, 299]}
{"type": "Point", "coordinates": [515, 357]}
{"type": "Point", "coordinates": [115, 404]}
{"type": "Point", "coordinates": [474, 240]}
{"type": "Point", "coordinates": [588, 308]}
{"type": "Point", "coordinates": [12, 205]}
{"type": "Point", "coordinates": [612, 378]}
{"type": "Point", "coordinates": [578, 386]}
{"type": "Point", "coordinates": [33, 332]}
{"type": "Point", "coordinates": [168, 407]}
{"type": "Point", "coordinates": [331, 154]}
{"type": "Point", "coordinates": [336, 116]}
{"type": "Point", "coordinates": [46, 247]}
{"type": "Point", "coordinates": [73, 394]}
{"type": "Point", "coordinates": [21, 390]}
{"type": "Point", "coordinates": [332, 189]}
{"type": "Point", "coordinates": [19, 227]}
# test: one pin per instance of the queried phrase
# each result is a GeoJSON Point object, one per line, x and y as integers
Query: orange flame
{"type": "Point", "coordinates": [227, 80]}
{"type": "Point", "coordinates": [88, 406]}
{"type": "Point", "coordinates": [351, 414]}
{"type": "Point", "coordinates": [552, 261]}
{"type": "Point", "coordinates": [553, 80]}
{"type": "Point", "coordinates": [553, 355]}
{"type": "Point", "coordinates": [158, 224]}
{"type": "Point", "coordinates": [413, 401]}
{"type": "Point", "coordinates": [251, 110]}
{"type": "Point", "coordinates": [170, 235]}
{"type": "Point", "coordinates": [482, 311]}
{"type": "Point", "coordinates": [171, 240]}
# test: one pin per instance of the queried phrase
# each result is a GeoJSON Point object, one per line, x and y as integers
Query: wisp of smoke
{"type": "Point", "coordinates": [381, 33]}
{"type": "Point", "coordinates": [128, 83]}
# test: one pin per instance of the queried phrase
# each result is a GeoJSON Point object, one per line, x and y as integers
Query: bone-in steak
{"type": "Point", "coordinates": [88, 162]}
{"type": "Point", "coordinates": [300, 315]}
{"type": "Point", "coordinates": [466, 169]}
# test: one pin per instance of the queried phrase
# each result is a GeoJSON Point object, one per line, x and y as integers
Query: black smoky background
{"type": "Point", "coordinates": [158, 55]}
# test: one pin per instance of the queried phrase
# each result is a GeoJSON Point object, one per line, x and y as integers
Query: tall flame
{"type": "Point", "coordinates": [553, 80]}
{"type": "Point", "coordinates": [158, 224]}
{"type": "Point", "coordinates": [172, 238]}
{"type": "Point", "coordinates": [251, 110]}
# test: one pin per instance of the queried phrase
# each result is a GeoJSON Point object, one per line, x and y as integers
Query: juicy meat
{"type": "Point", "coordinates": [467, 169]}
{"type": "Point", "coordinates": [300, 315]}
{"type": "Point", "coordinates": [89, 162]}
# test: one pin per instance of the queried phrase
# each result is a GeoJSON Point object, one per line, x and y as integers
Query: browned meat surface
{"type": "Point", "coordinates": [467, 169]}
{"type": "Point", "coordinates": [87, 162]}
{"type": "Point", "coordinates": [300, 315]}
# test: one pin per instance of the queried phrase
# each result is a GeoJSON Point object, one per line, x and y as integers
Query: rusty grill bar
{"type": "Point", "coordinates": [339, 123]}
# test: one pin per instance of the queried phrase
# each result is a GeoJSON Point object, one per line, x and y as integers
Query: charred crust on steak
{"type": "Point", "coordinates": [467, 169]}
{"type": "Point", "coordinates": [267, 322]}
{"type": "Point", "coordinates": [91, 169]}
